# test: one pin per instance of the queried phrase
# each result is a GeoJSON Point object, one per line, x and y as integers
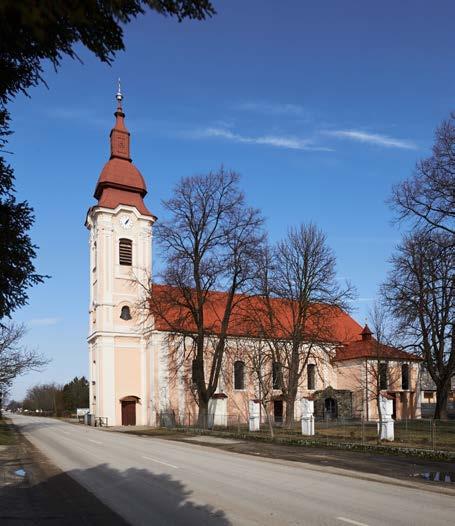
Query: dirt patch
{"type": "Point", "coordinates": [212, 440]}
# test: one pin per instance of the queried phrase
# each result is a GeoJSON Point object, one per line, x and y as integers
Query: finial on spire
{"type": "Point", "coordinates": [119, 95]}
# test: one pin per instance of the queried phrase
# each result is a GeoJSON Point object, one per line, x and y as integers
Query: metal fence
{"type": "Point", "coordinates": [422, 433]}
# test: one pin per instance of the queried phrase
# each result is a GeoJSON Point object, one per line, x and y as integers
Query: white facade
{"type": "Point", "coordinates": [118, 352]}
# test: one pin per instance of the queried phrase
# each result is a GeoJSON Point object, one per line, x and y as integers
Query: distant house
{"type": "Point", "coordinates": [428, 395]}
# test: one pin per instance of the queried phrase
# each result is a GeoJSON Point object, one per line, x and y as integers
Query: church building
{"type": "Point", "coordinates": [129, 365]}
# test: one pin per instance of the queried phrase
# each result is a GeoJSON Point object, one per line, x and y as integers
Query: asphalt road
{"type": "Point", "coordinates": [149, 481]}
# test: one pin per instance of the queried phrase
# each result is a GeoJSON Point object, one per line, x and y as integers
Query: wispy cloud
{"type": "Point", "coordinates": [269, 108]}
{"type": "Point", "coordinates": [372, 138]}
{"type": "Point", "coordinates": [277, 141]}
{"type": "Point", "coordinates": [44, 322]}
{"type": "Point", "coordinates": [80, 115]}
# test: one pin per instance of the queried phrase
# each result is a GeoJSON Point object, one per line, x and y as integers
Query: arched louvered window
{"type": "Point", "coordinates": [125, 252]}
{"type": "Point", "coordinates": [125, 313]}
{"type": "Point", "coordinates": [239, 375]}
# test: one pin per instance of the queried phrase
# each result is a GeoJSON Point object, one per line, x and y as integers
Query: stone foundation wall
{"type": "Point", "coordinates": [342, 397]}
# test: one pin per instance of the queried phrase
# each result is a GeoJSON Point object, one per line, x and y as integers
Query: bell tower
{"type": "Point", "coordinates": [120, 232]}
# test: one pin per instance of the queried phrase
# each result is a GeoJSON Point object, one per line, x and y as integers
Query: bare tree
{"type": "Point", "coordinates": [298, 302]}
{"type": "Point", "coordinates": [15, 358]}
{"type": "Point", "coordinates": [14, 405]}
{"type": "Point", "coordinates": [428, 197]}
{"type": "Point", "coordinates": [420, 291]}
{"type": "Point", "coordinates": [209, 244]}
{"type": "Point", "coordinates": [257, 360]}
{"type": "Point", "coordinates": [46, 398]}
{"type": "Point", "coordinates": [379, 373]}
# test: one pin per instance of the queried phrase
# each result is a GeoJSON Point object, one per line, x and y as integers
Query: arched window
{"type": "Point", "coordinates": [239, 375]}
{"type": "Point", "coordinates": [125, 252]}
{"type": "Point", "coordinates": [311, 376]}
{"type": "Point", "coordinates": [383, 376]}
{"type": "Point", "coordinates": [125, 314]}
{"type": "Point", "coordinates": [405, 376]}
{"type": "Point", "coordinates": [277, 375]}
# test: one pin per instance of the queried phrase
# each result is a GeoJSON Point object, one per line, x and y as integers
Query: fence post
{"type": "Point", "coordinates": [434, 435]}
{"type": "Point", "coordinates": [238, 424]}
{"type": "Point", "coordinates": [327, 430]}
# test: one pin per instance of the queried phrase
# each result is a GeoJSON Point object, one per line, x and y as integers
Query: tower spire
{"type": "Point", "coordinates": [120, 182]}
{"type": "Point", "coordinates": [120, 136]}
{"type": "Point", "coordinates": [119, 96]}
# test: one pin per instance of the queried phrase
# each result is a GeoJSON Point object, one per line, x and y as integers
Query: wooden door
{"type": "Point", "coordinates": [128, 413]}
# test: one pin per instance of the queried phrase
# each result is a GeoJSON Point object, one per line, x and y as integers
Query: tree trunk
{"type": "Point", "coordinates": [290, 403]}
{"type": "Point", "coordinates": [293, 385]}
{"type": "Point", "coordinates": [269, 419]}
{"type": "Point", "coordinates": [442, 395]}
{"type": "Point", "coordinates": [202, 418]}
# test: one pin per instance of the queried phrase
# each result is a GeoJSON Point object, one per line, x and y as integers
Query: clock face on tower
{"type": "Point", "coordinates": [126, 221]}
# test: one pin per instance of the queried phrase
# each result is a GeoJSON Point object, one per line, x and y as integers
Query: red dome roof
{"type": "Point", "coordinates": [120, 173]}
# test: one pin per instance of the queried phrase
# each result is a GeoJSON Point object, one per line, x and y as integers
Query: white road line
{"type": "Point", "coordinates": [94, 441]}
{"type": "Point", "coordinates": [161, 462]}
{"type": "Point", "coordinates": [350, 521]}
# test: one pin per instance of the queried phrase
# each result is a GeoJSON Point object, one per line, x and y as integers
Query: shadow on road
{"type": "Point", "coordinates": [143, 497]}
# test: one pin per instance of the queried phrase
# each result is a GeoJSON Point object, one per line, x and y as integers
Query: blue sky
{"type": "Point", "coordinates": [320, 106]}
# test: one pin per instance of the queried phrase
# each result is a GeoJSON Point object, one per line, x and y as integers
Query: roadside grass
{"type": "Point", "coordinates": [425, 434]}
{"type": "Point", "coordinates": [7, 435]}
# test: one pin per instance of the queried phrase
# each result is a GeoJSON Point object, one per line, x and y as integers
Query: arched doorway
{"type": "Point", "coordinates": [129, 410]}
{"type": "Point", "coordinates": [330, 408]}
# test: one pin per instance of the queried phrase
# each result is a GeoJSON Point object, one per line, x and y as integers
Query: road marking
{"type": "Point", "coordinates": [161, 462]}
{"type": "Point", "coordinates": [350, 521]}
{"type": "Point", "coordinates": [94, 441]}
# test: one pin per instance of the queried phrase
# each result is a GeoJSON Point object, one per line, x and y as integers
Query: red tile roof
{"type": "Point", "coordinates": [338, 325]}
{"type": "Point", "coordinates": [371, 349]}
